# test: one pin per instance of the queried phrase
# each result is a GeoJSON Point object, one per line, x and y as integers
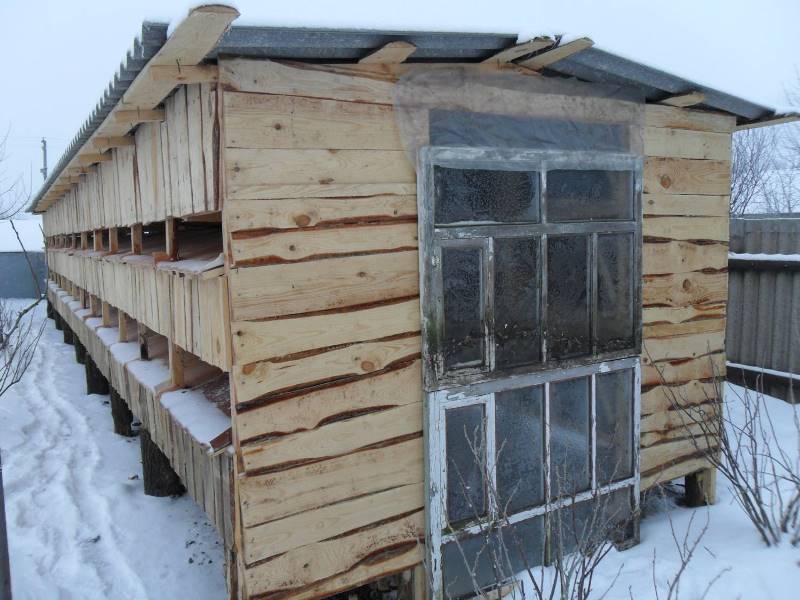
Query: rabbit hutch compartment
{"type": "Point", "coordinates": [421, 286]}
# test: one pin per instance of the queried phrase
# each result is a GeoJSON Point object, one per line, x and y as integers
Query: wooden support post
{"type": "Point", "coordinates": [176, 365]}
{"type": "Point", "coordinates": [136, 238]}
{"type": "Point", "coordinates": [68, 336]}
{"type": "Point", "coordinates": [84, 240]}
{"type": "Point", "coordinates": [80, 351]}
{"type": "Point", "coordinates": [50, 310]}
{"type": "Point", "coordinates": [105, 309]}
{"type": "Point", "coordinates": [158, 476]}
{"type": "Point", "coordinates": [701, 488]}
{"type": "Point", "coordinates": [113, 239]}
{"type": "Point", "coordinates": [98, 240]}
{"type": "Point", "coordinates": [141, 331]}
{"type": "Point", "coordinates": [121, 415]}
{"type": "Point", "coordinates": [419, 583]}
{"type": "Point", "coordinates": [122, 325]}
{"type": "Point", "coordinates": [96, 383]}
{"type": "Point", "coordinates": [57, 321]}
{"type": "Point", "coordinates": [171, 228]}
{"type": "Point", "coordinates": [94, 305]}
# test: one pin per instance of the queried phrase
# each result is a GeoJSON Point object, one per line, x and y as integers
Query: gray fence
{"type": "Point", "coordinates": [763, 332]}
{"type": "Point", "coordinates": [15, 274]}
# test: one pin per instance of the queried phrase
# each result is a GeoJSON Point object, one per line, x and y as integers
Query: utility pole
{"type": "Point", "coordinates": [43, 170]}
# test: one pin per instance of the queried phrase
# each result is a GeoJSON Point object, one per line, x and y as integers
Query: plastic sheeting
{"type": "Point", "coordinates": [465, 106]}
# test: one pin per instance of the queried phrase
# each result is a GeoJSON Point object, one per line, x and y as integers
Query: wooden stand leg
{"type": "Point", "coordinates": [95, 382]}
{"type": "Point", "coordinates": [57, 320]}
{"type": "Point", "coordinates": [50, 311]}
{"type": "Point", "coordinates": [80, 350]}
{"type": "Point", "coordinates": [69, 338]}
{"type": "Point", "coordinates": [121, 414]}
{"type": "Point", "coordinates": [701, 488]}
{"type": "Point", "coordinates": [158, 476]}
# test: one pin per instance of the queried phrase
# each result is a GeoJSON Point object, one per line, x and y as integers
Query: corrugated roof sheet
{"type": "Point", "coordinates": [343, 45]}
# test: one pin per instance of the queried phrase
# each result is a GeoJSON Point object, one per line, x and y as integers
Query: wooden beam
{"type": "Point", "coordinates": [178, 75]}
{"type": "Point", "coordinates": [136, 238]}
{"type": "Point", "coordinates": [106, 314]}
{"type": "Point", "coordinates": [134, 117]}
{"type": "Point", "coordinates": [685, 100]}
{"type": "Point", "coordinates": [776, 120]}
{"type": "Point", "coordinates": [176, 370]}
{"type": "Point", "coordinates": [171, 229]}
{"type": "Point", "coordinates": [540, 61]}
{"type": "Point", "coordinates": [122, 324]}
{"type": "Point", "coordinates": [391, 54]}
{"type": "Point", "coordinates": [117, 141]}
{"type": "Point", "coordinates": [98, 240]}
{"type": "Point", "coordinates": [515, 52]}
{"type": "Point", "coordinates": [84, 240]}
{"type": "Point", "coordinates": [113, 239]}
{"type": "Point", "coordinates": [91, 159]}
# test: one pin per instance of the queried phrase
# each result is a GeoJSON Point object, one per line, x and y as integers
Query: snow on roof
{"type": "Point", "coordinates": [29, 233]}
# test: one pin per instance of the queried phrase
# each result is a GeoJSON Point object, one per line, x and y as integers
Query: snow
{"type": "Point", "coordinates": [764, 257]}
{"type": "Point", "coordinates": [192, 266]}
{"type": "Point", "coordinates": [29, 233]}
{"type": "Point", "coordinates": [203, 420]}
{"type": "Point", "coordinates": [80, 526]}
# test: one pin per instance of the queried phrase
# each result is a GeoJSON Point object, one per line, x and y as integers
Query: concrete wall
{"type": "Point", "coordinates": [15, 275]}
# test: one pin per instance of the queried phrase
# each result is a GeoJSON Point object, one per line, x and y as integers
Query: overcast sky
{"type": "Point", "coordinates": [59, 55]}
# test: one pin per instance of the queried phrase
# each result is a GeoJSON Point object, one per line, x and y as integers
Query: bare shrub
{"type": "Point", "coordinates": [753, 159]}
{"type": "Point", "coordinates": [763, 477]}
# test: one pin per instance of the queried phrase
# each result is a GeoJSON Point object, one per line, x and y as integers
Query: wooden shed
{"type": "Point", "coordinates": [341, 251]}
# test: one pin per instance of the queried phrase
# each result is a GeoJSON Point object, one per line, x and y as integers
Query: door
{"type": "Point", "coordinates": [531, 302]}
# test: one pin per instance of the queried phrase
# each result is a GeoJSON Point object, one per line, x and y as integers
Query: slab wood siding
{"type": "Point", "coordinates": [320, 232]}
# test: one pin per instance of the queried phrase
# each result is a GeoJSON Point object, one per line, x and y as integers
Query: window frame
{"type": "Point", "coordinates": [432, 238]}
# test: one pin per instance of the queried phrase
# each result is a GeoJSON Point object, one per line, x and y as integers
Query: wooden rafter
{"type": "Point", "coordinates": [776, 120]}
{"type": "Point", "coordinates": [105, 143]}
{"type": "Point", "coordinates": [540, 61]}
{"type": "Point", "coordinates": [392, 53]}
{"type": "Point", "coordinates": [685, 100]}
{"type": "Point", "coordinates": [185, 75]}
{"type": "Point", "coordinates": [94, 158]}
{"type": "Point", "coordinates": [535, 45]}
{"type": "Point", "coordinates": [134, 117]}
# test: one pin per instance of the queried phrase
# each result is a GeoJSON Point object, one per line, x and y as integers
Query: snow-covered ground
{"type": "Point", "coordinates": [80, 526]}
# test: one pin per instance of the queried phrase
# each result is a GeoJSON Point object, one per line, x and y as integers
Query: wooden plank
{"type": "Point", "coordinates": [297, 245]}
{"type": "Point", "coordinates": [293, 491]}
{"type": "Point", "coordinates": [276, 537]}
{"type": "Point", "coordinates": [258, 340]}
{"type": "Point", "coordinates": [662, 315]}
{"type": "Point", "coordinates": [685, 289]}
{"type": "Point", "coordinates": [668, 330]}
{"type": "Point", "coordinates": [335, 439]}
{"type": "Point", "coordinates": [686, 176]}
{"type": "Point", "coordinates": [672, 471]}
{"type": "Point", "coordinates": [686, 205]}
{"type": "Point", "coordinates": [250, 173]}
{"type": "Point", "coordinates": [118, 141]}
{"type": "Point", "coordinates": [269, 121]}
{"type": "Point", "coordinates": [334, 283]}
{"type": "Point", "coordinates": [311, 212]}
{"type": "Point", "coordinates": [661, 398]}
{"type": "Point", "coordinates": [94, 158]}
{"type": "Point", "coordinates": [680, 118]}
{"type": "Point", "coordinates": [391, 53]}
{"type": "Point", "coordinates": [660, 455]}
{"type": "Point", "coordinates": [686, 228]}
{"type": "Point", "coordinates": [545, 59]}
{"type": "Point", "coordinates": [683, 347]}
{"type": "Point", "coordinates": [311, 410]}
{"type": "Point", "coordinates": [685, 100]}
{"type": "Point", "coordinates": [184, 75]}
{"type": "Point", "coordinates": [134, 117]}
{"type": "Point", "coordinates": [683, 370]}
{"type": "Point", "coordinates": [680, 143]}
{"type": "Point", "coordinates": [303, 79]}
{"type": "Point", "coordinates": [317, 562]}
{"type": "Point", "coordinates": [776, 120]}
{"type": "Point", "coordinates": [268, 377]}
{"type": "Point", "coordinates": [682, 257]}
{"type": "Point", "coordinates": [519, 50]}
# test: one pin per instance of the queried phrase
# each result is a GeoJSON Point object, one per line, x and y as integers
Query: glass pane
{"type": "Point", "coordinates": [568, 331]}
{"type": "Point", "coordinates": [466, 450]}
{"type": "Point", "coordinates": [491, 557]}
{"type": "Point", "coordinates": [570, 456]}
{"type": "Point", "coordinates": [463, 307]}
{"type": "Point", "coordinates": [614, 292]}
{"type": "Point", "coordinates": [519, 439]}
{"type": "Point", "coordinates": [482, 195]}
{"type": "Point", "coordinates": [614, 426]}
{"type": "Point", "coordinates": [589, 195]}
{"type": "Point", "coordinates": [516, 298]}
{"type": "Point", "coordinates": [578, 526]}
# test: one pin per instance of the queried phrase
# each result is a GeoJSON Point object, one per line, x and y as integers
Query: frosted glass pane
{"type": "Point", "coordinates": [615, 292]}
{"type": "Point", "coordinates": [614, 426]}
{"type": "Point", "coordinates": [463, 314]}
{"type": "Point", "coordinates": [589, 195]}
{"type": "Point", "coordinates": [469, 195]}
{"type": "Point", "coordinates": [466, 451]}
{"type": "Point", "coordinates": [516, 297]}
{"type": "Point", "coordinates": [568, 330]}
{"type": "Point", "coordinates": [570, 456]}
{"type": "Point", "coordinates": [519, 439]}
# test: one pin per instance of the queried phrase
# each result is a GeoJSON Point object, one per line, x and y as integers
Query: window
{"type": "Point", "coordinates": [531, 326]}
